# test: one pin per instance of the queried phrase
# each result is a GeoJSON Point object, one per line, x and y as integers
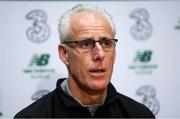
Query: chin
{"type": "Point", "coordinates": [99, 85]}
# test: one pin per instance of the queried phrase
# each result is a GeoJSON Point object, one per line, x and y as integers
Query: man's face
{"type": "Point", "coordinates": [92, 70]}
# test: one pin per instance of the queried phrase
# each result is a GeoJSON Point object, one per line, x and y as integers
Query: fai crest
{"type": "Point", "coordinates": [39, 94]}
{"type": "Point", "coordinates": [148, 94]}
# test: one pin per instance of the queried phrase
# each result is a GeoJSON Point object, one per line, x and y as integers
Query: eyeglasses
{"type": "Point", "coordinates": [87, 45]}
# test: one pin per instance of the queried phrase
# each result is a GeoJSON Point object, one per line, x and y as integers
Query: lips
{"type": "Point", "coordinates": [97, 72]}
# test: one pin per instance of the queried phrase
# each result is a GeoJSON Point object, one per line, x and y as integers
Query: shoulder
{"type": "Point", "coordinates": [39, 108]}
{"type": "Point", "coordinates": [134, 108]}
{"type": "Point", "coordinates": [128, 106]}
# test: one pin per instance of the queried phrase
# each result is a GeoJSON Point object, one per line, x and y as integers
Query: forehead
{"type": "Point", "coordinates": [89, 22]}
{"type": "Point", "coordinates": [88, 17]}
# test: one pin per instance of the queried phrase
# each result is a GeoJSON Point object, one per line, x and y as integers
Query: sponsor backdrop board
{"type": "Point", "coordinates": [0, 62]}
{"type": "Point", "coordinates": [147, 66]}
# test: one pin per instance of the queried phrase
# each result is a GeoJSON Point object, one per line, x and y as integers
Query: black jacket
{"type": "Point", "coordinates": [59, 104]}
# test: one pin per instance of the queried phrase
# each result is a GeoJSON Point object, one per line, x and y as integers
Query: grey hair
{"type": "Point", "coordinates": [64, 21]}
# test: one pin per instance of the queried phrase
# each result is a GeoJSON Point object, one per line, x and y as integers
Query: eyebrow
{"type": "Point", "coordinates": [91, 38]}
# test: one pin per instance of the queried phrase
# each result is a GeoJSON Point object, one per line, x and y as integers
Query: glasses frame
{"type": "Point", "coordinates": [75, 43]}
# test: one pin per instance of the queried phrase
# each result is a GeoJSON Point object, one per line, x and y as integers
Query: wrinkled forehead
{"type": "Point", "coordinates": [89, 18]}
{"type": "Point", "coordinates": [90, 24]}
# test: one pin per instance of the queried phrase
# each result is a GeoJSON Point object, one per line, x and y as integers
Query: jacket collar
{"type": "Point", "coordinates": [71, 102]}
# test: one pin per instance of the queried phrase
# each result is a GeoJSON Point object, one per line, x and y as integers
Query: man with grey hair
{"type": "Point", "coordinates": [87, 48]}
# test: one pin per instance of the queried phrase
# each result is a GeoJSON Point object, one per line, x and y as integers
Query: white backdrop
{"type": "Point", "coordinates": [147, 66]}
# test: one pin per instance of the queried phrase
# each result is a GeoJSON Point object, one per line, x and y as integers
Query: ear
{"type": "Point", "coordinates": [63, 54]}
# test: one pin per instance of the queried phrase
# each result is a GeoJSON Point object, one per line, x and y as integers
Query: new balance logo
{"type": "Point", "coordinates": [40, 60]}
{"type": "Point", "coordinates": [143, 57]}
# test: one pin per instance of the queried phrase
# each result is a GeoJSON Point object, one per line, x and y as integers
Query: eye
{"type": "Point", "coordinates": [106, 43]}
{"type": "Point", "coordinates": [85, 44]}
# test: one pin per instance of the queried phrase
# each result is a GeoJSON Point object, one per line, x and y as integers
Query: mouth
{"type": "Point", "coordinates": [97, 72]}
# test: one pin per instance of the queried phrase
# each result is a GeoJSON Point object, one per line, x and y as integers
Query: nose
{"type": "Point", "coordinates": [98, 52]}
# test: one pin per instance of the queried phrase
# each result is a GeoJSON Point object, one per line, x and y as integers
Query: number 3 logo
{"type": "Point", "coordinates": [142, 29]}
{"type": "Point", "coordinates": [39, 31]}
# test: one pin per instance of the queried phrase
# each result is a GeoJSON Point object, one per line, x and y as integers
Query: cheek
{"type": "Point", "coordinates": [110, 58]}
{"type": "Point", "coordinates": [110, 62]}
{"type": "Point", "coordinates": [77, 64]}
{"type": "Point", "coordinates": [73, 61]}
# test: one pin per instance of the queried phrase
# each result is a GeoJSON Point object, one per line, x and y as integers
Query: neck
{"type": "Point", "coordinates": [86, 96]}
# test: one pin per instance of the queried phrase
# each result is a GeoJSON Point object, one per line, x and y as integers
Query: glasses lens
{"type": "Point", "coordinates": [85, 45]}
{"type": "Point", "coordinates": [107, 44]}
